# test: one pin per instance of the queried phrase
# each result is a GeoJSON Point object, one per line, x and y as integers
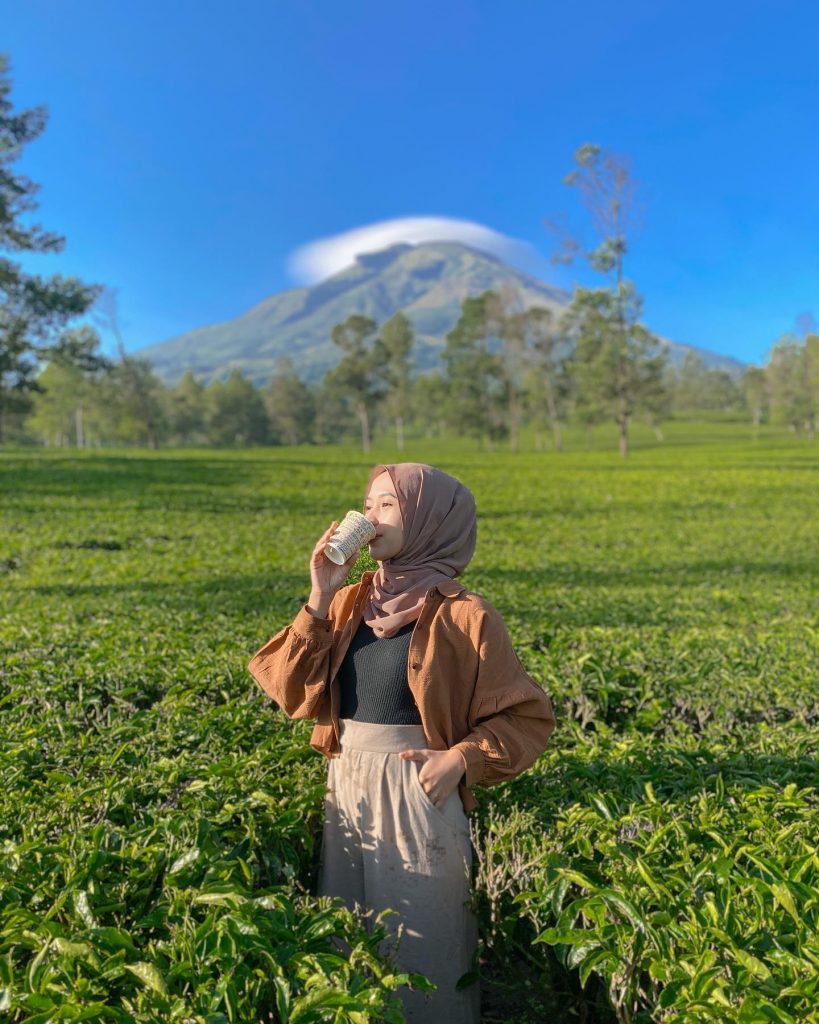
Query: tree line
{"type": "Point", "coordinates": [503, 366]}
{"type": "Point", "coordinates": [503, 369]}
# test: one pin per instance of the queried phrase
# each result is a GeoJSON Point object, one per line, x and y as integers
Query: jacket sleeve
{"type": "Point", "coordinates": [293, 667]}
{"type": "Point", "coordinates": [510, 715]}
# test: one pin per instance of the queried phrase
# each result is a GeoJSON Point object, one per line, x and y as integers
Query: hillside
{"type": "Point", "coordinates": [427, 282]}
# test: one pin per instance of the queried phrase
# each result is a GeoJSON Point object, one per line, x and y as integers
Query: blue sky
{"type": "Point", "coordinates": [193, 148]}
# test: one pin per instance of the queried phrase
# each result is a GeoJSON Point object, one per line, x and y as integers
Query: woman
{"type": "Point", "coordinates": [419, 695]}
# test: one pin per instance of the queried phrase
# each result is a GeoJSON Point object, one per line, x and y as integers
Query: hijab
{"type": "Point", "coordinates": [440, 530]}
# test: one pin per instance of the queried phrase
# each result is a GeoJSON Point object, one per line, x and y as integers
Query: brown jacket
{"type": "Point", "coordinates": [471, 690]}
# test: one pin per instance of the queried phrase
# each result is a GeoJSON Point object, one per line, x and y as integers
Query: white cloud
{"type": "Point", "coordinates": [319, 260]}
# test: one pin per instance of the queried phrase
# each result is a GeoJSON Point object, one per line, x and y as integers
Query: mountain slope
{"type": "Point", "coordinates": [427, 282]}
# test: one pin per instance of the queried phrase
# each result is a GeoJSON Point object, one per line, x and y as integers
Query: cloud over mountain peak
{"type": "Point", "coordinates": [318, 260]}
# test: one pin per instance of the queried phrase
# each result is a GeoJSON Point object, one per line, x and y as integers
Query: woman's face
{"type": "Point", "coordinates": [382, 509]}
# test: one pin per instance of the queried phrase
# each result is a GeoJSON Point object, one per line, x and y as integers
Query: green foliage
{"type": "Point", "coordinates": [430, 394]}
{"type": "Point", "coordinates": [616, 364]}
{"type": "Point", "coordinates": [159, 818]}
{"type": "Point", "coordinates": [359, 378]}
{"type": "Point", "coordinates": [474, 374]}
{"type": "Point", "coordinates": [393, 351]}
{"type": "Point", "coordinates": [547, 383]}
{"type": "Point", "coordinates": [793, 382]}
{"type": "Point", "coordinates": [290, 405]}
{"type": "Point", "coordinates": [697, 388]}
{"type": "Point", "coordinates": [235, 412]}
{"type": "Point", "coordinates": [32, 309]}
{"type": "Point", "coordinates": [185, 411]}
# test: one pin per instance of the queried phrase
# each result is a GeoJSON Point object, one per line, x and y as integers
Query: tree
{"type": "Point", "coordinates": [505, 322]}
{"type": "Point", "coordinates": [755, 393]}
{"type": "Point", "coordinates": [656, 400]}
{"type": "Point", "coordinates": [290, 405]}
{"type": "Point", "coordinates": [186, 411]}
{"type": "Point", "coordinates": [32, 309]}
{"type": "Point", "coordinates": [699, 389]}
{"type": "Point", "coordinates": [430, 399]}
{"type": "Point", "coordinates": [806, 330]}
{"type": "Point", "coordinates": [788, 383]}
{"type": "Point", "coordinates": [125, 393]}
{"type": "Point", "coordinates": [335, 417]}
{"type": "Point", "coordinates": [54, 404]}
{"type": "Point", "coordinates": [235, 412]}
{"type": "Point", "coordinates": [626, 368]}
{"type": "Point", "coordinates": [139, 387]}
{"type": "Point", "coordinates": [69, 388]}
{"type": "Point", "coordinates": [359, 377]}
{"type": "Point", "coordinates": [722, 393]}
{"type": "Point", "coordinates": [474, 375]}
{"type": "Point", "coordinates": [616, 362]}
{"type": "Point", "coordinates": [690, 383]}
{"type": "Point", "coordinates": [393, 349]}
{"type": "Point", "coordinates": [812, 379]}
{"type": "Point", "coordinates": [547, 384]}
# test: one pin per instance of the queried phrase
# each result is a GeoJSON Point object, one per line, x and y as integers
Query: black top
{"type": "Point", "coordinates": [373, 678]}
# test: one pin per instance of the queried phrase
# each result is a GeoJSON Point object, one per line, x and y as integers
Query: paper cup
{"type": "Point", "coordinates": [353, 532]}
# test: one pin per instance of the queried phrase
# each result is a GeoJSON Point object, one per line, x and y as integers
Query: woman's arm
{"type": "Point", "coordinates": [293, 667]}
{"type": "Point", "coordinates": [510, 716]}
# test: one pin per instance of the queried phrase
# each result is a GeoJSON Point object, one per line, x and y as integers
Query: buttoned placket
{"type": "Point", "coordinates": [414, 660]}
{"type": "Point", "coordinates": [335, 690]}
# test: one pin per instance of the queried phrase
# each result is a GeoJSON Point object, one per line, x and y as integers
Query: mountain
{"type": "Point", "coordinates": [426, 281]}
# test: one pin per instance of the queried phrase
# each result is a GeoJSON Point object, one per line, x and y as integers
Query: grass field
{"type": "Point", "coordinates": [159, 817]}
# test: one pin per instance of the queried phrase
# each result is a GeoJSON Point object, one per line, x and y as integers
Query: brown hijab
{"type": "Point", "coordinates": [440, 531]}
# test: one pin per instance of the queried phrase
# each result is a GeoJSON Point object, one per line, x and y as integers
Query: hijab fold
{"type": "Point", "coordinates": [440, 532]}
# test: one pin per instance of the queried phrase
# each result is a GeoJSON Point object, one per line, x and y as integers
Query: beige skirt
{"type": "Point", "coordinates": [387, 845]}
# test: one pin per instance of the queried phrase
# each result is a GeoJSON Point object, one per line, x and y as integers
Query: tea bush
{"type": "Point", "coordinates": [159, 818]}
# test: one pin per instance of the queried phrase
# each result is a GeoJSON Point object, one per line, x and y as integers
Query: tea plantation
{"type": "Point", "coordinates": [159, 817]}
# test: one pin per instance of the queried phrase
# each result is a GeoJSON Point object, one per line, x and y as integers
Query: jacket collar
{"type": "Point", "coordinates": [448, 588]}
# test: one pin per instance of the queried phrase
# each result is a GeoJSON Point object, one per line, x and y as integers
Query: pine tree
{"type": "Point", "coordinates": [32, 309]}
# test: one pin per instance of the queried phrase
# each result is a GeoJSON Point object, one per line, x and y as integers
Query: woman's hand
{"type": "Point", "coordinates": [441, 771]}
{"type": "Point", "coordinates": [325, 576]}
